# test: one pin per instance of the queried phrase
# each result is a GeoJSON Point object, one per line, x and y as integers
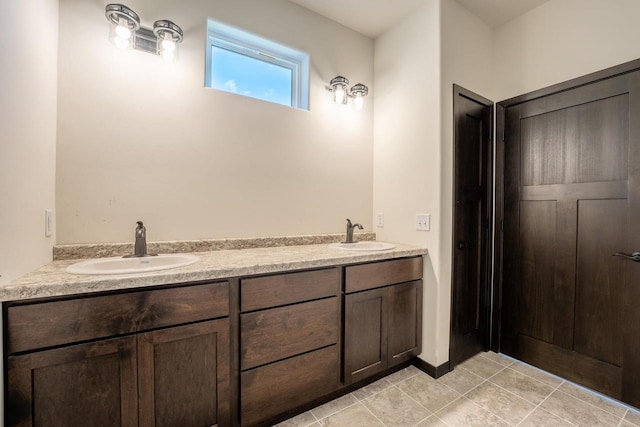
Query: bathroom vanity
{"type": "Point", "coordinates": [245, 337]}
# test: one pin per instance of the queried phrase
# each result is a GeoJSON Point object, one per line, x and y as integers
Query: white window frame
{"type": "Point", "coordinates": [244, 43]}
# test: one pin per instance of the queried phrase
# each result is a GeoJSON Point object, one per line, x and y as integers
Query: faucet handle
{"type": "Point", "coordinates": [140, 224]}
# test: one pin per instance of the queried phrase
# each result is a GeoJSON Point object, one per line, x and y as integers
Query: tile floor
{"type": "Point", "coordinates": [487, 390]}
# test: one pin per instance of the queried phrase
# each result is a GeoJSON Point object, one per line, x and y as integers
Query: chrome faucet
{"type": "Point", "coordinates": [141, 240]}
{"type": "Point", "coordinates": [350, 228]}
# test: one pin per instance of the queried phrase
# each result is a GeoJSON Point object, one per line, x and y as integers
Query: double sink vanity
{"type": "Point", "coordinates": [236, 337]}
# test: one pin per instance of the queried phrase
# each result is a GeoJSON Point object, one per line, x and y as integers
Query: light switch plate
{"type": "Point", "coordinates": [423, 222]}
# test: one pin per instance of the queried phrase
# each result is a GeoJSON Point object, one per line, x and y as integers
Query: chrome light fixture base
{"type": "Point", "coordinates": [118, 14]}
{"type": "Point", "coordinates": [359, 90]}
{"type": "Point", "coordinates": [167, 30]}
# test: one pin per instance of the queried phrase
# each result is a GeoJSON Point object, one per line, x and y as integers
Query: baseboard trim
{"type": "Point", "coordinates": [429, 369]}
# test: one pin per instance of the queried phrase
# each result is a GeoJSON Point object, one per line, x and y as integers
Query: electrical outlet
{"type": "Point", "coordinates": [380, 220]}
{"type": "Point", "coordinates": [48, 223]}
{"type": "Point", "coordinates": [423, 222]}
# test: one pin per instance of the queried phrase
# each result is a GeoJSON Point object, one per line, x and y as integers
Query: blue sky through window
{"type": "Point", "coordinates": [244, 75]}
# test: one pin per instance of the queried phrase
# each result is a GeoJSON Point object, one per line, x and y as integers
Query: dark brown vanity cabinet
{"type": "Point", "coordinates": [151, 358]}
{"type": "Point", "coordinates": [383, 316]}
{"type": "Point", "coordinates": [290, 329]}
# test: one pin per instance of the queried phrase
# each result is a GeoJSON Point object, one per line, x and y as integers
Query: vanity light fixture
{"type": "Point", "coordinates": [339, 85]}
{"type": "Point", "coordinates": [126, 33]}
{"type": "Point", "coordinates": [358, 92]}
{"type": "Point", "coordinates": [124, 24]}
{"type": "Point", "coordinates": [168, 36]}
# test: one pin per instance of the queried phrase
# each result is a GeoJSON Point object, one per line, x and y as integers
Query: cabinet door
{"type": "Point", "coordinates": [71, 386]}
{"type": "Point", "coordinates": [365, 334]}
{"type": "Point", "coordinates": [405, 321]}
{"type": "Point", "coordinates": [184, 375]}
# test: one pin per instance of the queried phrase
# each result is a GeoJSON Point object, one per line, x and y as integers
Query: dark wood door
{"type": "Point", "coordinates": [365, 335]}
{"type": "Point", "coordinates": [184, 375]}
{"type": "Point", "coordinates": [572, 200]}
{"type": "Point", "coordinates": [78, 385]}
{"type": "Point", "coordinates": [470, 308]}
{"type": "Point", "coordinates": [405, 322]}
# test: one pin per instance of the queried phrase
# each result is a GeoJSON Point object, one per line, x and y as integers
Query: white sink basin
{"type": "Point", "coordinates": [363, 246]}
{"type": "Point", "coordinates": [119, 265]}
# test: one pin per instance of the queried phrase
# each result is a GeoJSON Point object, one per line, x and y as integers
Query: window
{"type": "Point", "coordinates": [249, 65]}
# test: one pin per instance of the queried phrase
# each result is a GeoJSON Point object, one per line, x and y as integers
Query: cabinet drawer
{"type": "Point", "coordinates": [271, 291]}
{"type": "Point", "coordinates": [374, 275]}
{"type": "Point", "coordinates": [275, 334]}
{"type": "Point", "coordinates": [270, 390]}
{"type": "Point", "coordinates": [48, 324]}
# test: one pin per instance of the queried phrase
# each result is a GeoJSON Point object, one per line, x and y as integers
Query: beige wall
{"type": "Point", "coordinates": [466, 60]}
{"type": "Point", "coordinates": [142, 139]}
{"type": "Point", "coordinates": [407, 151]}
{"type": "Point", "coordinates": [561, 40]}
{"type": "Point", "coordinates": [28, 124]}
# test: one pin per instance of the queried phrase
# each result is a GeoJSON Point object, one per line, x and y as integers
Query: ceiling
{"type": "Point", "coordinates": [374, 17]}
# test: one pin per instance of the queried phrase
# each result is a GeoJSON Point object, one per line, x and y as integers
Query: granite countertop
{"type": "Point", "coordinates": [52, 280]}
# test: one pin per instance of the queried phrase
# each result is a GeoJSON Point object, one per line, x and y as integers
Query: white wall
{"type": "Point", "coordinates": [407, 175]}
{"type": "Point", "coordinates": [141, 139]}
{"type": "Point", "coordinates": [466, 60]}
{"type": "Point", "coordinates": [561, 40]}
{"type": "Point", "coordinates": [28, 123]}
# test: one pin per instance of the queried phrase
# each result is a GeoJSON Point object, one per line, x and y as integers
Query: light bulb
{"type": "Point", "coordinates": [123, 32]}
{"type": "Point", "coordinates": [339, 95]}
{"type": "Point", "coordinates": [168, 46]}
{"type": "Point", "coordinates": [120, 42]}
{"type": "Point", "coordinates": [168, 55]}
{"type": "Point", "coordinates": [358, 102]}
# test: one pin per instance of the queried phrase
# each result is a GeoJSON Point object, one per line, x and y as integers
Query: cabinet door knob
{"type": "Point", "coordinates": [462, 245]}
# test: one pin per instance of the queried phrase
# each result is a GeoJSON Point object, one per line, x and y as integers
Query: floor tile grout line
{"type": "Point", "coordinates": [508, 391]}
{"type": "Point", "coordinates": [374, 415]}
{"type": "Point", "coordinates": [441, 420]}
{"type": "Point", "coordinates": [540, 407]}
{"type": "Point", "coordinates": [515, 394]}
{"type": "Point", "coordinates": [484, 380]}
{"type": "Point", "coordinates": [472, 373]}
{"type": "Point", "coordinates": [419, 404]}
{"type": "Point", "coordinates": [314, 417]}
{"type": "Point", "coordinates": [612, 401]}
{"type": "Point", "coordinates": [540, 371]}
{"type": "Point", "coordinates": [372, 393]}
{"type": "Point", "coordinates": [484, 409]}
{"type": "Point", "coordinates": [530, 377]}
{"type": "Point", "coordinates": [589, 403]}
{"type": "Point", "coordinates": [450, 388]}
{"type": "Point", "coordinates": [319, 420]}
{"type": "Point", "coordinates": [485, 357]}
{"type": "Point", "coordinates": [622, 419]}
{"type": "Point", "coordinates": [339, 410]}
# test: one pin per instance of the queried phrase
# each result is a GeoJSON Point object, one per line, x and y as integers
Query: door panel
{"type": "Point", "coordinates": [472, 219]}
{"type": "Point", "coordinates": [585, 143]}
{"type": "Point", "coordinates": [538, 255]}
{"type": "Point", "coordinates": [571, 191]}
{"type": "Point", "coordinates": [601, 228]}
